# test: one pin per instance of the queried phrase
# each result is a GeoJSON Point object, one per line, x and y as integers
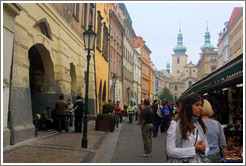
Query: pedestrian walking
{"type": "Point", "coordinates": [137, 112]}
{"type": "Point", "coordinates": [147, 117]}
{"type": "Point", "coordinates": [215, 134]}
{"type": "Point", "coordinates": [156, 120]}
{"type": "Point", "coordinates": [131, 111]}
{"type": "Point", "coordinates": [70, 113]}
{"type": "Point", "coordinates": [186, 140]}
{"type": "Point", "coordinates": [165, 117]}
{"type": "Point", "coordinates": [61, 113]}
{"type": "Point", "coordinates": [118, 113]}
{"type": "Point", "coordinates": [78, 112]}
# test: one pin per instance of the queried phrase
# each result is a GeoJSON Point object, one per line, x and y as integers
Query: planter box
{"type": "Point", "coordinates": [105, 125]}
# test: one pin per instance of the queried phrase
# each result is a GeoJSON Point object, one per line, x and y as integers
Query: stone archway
{"type": "Point", "coordinates": [41, 78]}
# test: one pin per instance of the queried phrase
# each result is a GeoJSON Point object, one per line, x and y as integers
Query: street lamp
{"type": "Point", "coordinates": [128, 91]}
{"type": "Point", "coordinates": [89, 42]}
{"type": "Point", "coordinates": [114, 79]}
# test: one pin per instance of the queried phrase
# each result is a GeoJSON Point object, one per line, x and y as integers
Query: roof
{"type": "Point", "coordinates": [235, 14]}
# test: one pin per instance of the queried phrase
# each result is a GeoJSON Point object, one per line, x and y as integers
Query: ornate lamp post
{"type": "Point", "coordinates": [128, 91]}
{"type": "Point", "coordinates": [89, 42]}
{"type": "Point", "coordinates": [114, 78]}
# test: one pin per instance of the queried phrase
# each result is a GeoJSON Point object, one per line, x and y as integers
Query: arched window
{"type": "Point", "coordinates": [178, 61]}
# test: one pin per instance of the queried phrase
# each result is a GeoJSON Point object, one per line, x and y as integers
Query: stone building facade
{"type": "Point", "coordinates": [10, 11]}
{"type": "Point", "coordinates": [116, 52]}
{"type": "Point", "coordinates": [128, 44]}
{"type": "Point", "coordinates": [145, 73]}
{"type": "Point", "coordinates": [49, 59]}
{"type": "Point", "coordinates": [183, 74]}
{"type": "Point", "coordinates": [235, 31]}
{"type": "Point", "coordinates": [208, 58]}
{"type": "Point", "coordinates": [137, 75]}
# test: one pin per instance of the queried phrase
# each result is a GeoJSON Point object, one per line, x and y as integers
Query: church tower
{"type": "Point", "coordinates": [207, 43]}
{"type": "Point", "coordinates": [168, 67]}
{"type": "Point", "coordinates": [179, 58]}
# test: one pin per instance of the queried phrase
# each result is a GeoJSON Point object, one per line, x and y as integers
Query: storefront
{"type": "Point", "coordinates": [223, 88]}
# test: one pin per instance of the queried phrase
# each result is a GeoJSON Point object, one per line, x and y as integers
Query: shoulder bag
{"type": "Point", "coordinates": [222, 152]}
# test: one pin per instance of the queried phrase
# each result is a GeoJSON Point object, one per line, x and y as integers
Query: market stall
{"type": "Point", "coordinates": [223, 88]}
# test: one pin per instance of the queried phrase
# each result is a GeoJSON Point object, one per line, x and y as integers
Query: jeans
{"type": "Point", "coordinates": [164, 124]}
{"type": "Point", "coordinates": [61, 120]}
{"type": "Point", "coordinates": [156, 123]}
{"type": "Point", "coordinates": [117, 119]}
{"type": "Point", "coordinates": [131, 118]}
{"type": "Point", "coordinates": [78, 123]}
{"type": "Point", "coordinates": [136, 116]}
{"type": "Point", "coordinates": [70, 120]}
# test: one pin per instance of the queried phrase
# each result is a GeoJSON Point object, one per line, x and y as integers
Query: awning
{"type": "Point", "coordinates": [229, 74]}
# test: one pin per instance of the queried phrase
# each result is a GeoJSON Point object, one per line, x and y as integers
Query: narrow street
{"type": "Point", "coordinates": [130, 146]}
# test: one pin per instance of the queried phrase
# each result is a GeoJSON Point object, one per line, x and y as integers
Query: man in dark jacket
{"type": "Point", "coordinates": [61, 108]}
{"type": "Point", "coordinates": [78, 113]}
{"type": "Point", "coordinates": [156, 120]}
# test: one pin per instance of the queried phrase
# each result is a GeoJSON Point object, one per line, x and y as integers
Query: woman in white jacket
{"type": "Point", "coordinates": [186, 140]}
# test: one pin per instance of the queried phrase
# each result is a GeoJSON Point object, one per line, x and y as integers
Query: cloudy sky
{"type": "Point", "coordinates": [158, 24]}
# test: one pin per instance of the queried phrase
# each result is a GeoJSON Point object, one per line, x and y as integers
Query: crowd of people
{"type": "Point", "coordinates": [192, 136]}
{"type": "Point", "coordinates": [61, 117]}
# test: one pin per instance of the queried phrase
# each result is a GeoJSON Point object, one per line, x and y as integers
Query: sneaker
{"type": "Point", "coordinates": [146, 155]}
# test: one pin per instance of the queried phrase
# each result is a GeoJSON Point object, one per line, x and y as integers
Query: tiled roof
{"type": "Point", "coordinates": [234, 14]}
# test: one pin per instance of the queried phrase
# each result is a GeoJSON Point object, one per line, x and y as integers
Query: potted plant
{"type": "Point", "coordinates": [105, 122]}
{"type": "Point", "coordinates": [108, 107]}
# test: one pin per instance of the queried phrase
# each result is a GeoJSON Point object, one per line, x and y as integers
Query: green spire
{"type": "Point", "coordinates": [179, 48]}
{"type": "Point", "coordinates": [207, 43]}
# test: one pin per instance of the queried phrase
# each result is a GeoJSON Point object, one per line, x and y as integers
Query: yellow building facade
{"type": "Point", "coordinates": [102, 53]}
{"type": "Point", "coordinates": [49, 59]}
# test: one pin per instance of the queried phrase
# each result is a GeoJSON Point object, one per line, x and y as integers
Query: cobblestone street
{"type": "Point", "coordinates": [52, 147]}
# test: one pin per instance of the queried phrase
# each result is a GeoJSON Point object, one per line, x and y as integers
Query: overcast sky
{"type": "Point", "coordinates": [158, 24]}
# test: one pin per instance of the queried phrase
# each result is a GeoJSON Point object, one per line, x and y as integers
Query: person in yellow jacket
{"type": "Point", "coordinates": [131, 111]}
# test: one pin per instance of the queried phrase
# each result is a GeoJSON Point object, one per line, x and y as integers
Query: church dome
{"type": "Point", "coordinates": [179, 48]}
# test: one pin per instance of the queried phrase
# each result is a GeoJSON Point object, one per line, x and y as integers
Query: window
{"type": "Point", "coordinates": [177, 71]}
{"type": "Point", "coordinates": [99, 30]}
{"type": "Point", "coordinates": [84, 15]}
{"type": "Point", "coordinates": [178, 61]}
{"type": "Point", "coordinates": [176, 87]}
{"type": "Point", "coordinates": [91, 14]}
{"type": "Point", "coordinates": [213, 68]}
{"type": "Point", "coordinates": [213, 58]}
{"type": "Point", "coordinates": [175, 98]}
{"type": "Point", "coordinates": [190, 83]}
{"type": "Point", "coordinates": [194, 71]}
{"type": "Point", "coordinates": [105, 41]}
{"type": "Point", "coordinates": [76, 11]}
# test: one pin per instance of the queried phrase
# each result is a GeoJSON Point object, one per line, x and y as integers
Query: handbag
{"type": "Point", "coordinates": [159, 111]}
{"type": "Point", "coordinates": [222, 151]}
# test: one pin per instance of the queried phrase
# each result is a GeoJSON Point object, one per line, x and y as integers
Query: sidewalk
{"type": "Point", "coordinates": [55, 147]}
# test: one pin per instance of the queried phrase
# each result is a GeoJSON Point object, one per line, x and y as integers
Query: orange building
{"type": "Point", "coordinates": [145, 56]}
